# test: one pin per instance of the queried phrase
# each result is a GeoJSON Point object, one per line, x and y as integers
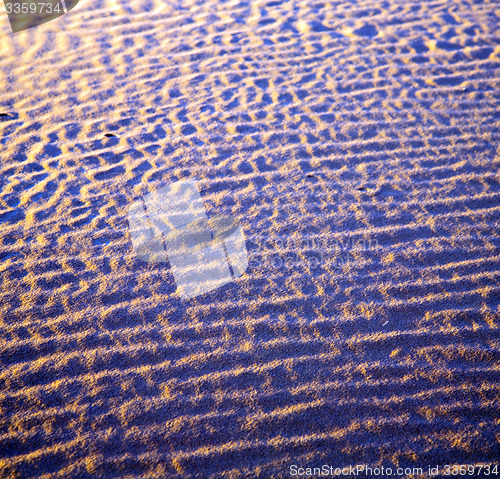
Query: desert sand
{"type": "Point", "coordinates": [357, 144]}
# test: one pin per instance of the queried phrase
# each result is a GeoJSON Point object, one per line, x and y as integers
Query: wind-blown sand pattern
{"type": "Point", "coordinates": [317, 124]}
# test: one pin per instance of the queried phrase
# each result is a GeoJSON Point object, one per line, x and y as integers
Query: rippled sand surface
{"type": "Point", "coordinates": [357, 143]}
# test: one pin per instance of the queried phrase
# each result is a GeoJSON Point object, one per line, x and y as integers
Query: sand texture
{"type": "Point", "coordinates": [357, 142]}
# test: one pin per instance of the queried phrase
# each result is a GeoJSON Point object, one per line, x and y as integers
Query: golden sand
{"type": "Point", "coordinates": [320, 126]}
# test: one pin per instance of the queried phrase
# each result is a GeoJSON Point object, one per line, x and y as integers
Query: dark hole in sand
{"type": "Point", "coordinates": [3, 115]}
{"type": "Point", "coordinates": [110, 135]}
{"type": "Point", "coordinates": [362, 188]}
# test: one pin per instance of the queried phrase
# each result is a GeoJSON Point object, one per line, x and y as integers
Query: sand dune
{"type": "Point", "coordinates": [356, 142]}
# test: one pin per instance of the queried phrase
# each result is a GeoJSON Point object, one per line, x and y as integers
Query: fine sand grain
{"type": "Point", "coordinates": [358, 144]}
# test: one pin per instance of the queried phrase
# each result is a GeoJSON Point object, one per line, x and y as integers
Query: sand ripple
{"type": "Point", "coordinates": [320, 125]}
